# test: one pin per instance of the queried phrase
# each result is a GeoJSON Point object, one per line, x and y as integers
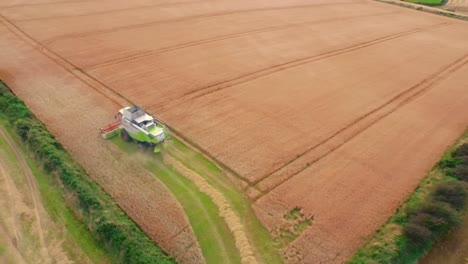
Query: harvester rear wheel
{"type": "Point", "coordinates": [125, 136]}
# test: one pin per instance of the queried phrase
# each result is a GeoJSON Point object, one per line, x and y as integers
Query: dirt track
{"type": "Point", "coordinates": [25, 225]}
{"type": "Point", "coordinates": [35, 198]}
{"type": "Point", "coordinates": [324, 105]}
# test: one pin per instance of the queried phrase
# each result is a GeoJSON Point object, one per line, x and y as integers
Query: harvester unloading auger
{"type": "Point", "coordinates": [136, 125]}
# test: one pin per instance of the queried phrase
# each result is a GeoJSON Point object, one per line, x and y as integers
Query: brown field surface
{"type": "Point", "coordinates": [72, 110]}
{"type": "Point", "coordinates": [338, 107]}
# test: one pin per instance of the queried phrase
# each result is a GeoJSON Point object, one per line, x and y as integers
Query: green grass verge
{"type": "Point", "coordinates": [52, 197]}
{"type": "Point", "coordinates": [213, 235]}
{"type": "Point", "coordinates": [267, 248]}
{"type": "Point", "coordinates": [389, 245]}
{"type": "Point", "coordinates": [426, 2]}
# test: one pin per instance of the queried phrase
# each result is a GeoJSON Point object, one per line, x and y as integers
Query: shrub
{"type": "Point", "coordinates": [444, 216]}
{"type": "Point", "coordinates": [425, 220]}
{"type": "Point", "coordinates": [22, 128]}
{"type": "Point", "coordinates": [88, 201]}
{"type": "Point", "coordinates": [431, 220]}
{"type": "Point", "coordinates": [13, 108]}
{"type": "Point", "coordinates": [417, 234]}
{"type": "Point", "coordinates": [463, 160]}
{"type": "Point", "coordinates": [449, 163]}
{"type": "Point", "coordinates": [461, 151]}
{"type": "Point", "coordinates": [453, 193]}
{"type": "Point", "coordinates": [460, 156]}
{"type": "Point", "coordinates": [460, 172]}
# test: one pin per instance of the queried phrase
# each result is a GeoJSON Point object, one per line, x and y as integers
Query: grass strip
{"type": "Point", "coordinates": [267, 248]}
{"type": "Point", "coordinates": [215, 239]}
{"type": "Point", "coordinates": [426, 2]}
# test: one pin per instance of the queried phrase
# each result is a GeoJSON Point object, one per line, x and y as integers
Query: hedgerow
{"type": "Point", "coordinates": [124, 240]}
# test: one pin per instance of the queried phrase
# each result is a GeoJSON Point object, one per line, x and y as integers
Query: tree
{"type": "Point", "coordinates": [453, 193]}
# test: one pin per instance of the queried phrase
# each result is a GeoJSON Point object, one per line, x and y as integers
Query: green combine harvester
{"type": "Point", "coordinates": [136, 125]}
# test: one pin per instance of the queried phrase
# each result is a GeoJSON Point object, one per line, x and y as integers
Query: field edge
{"type": "Point", "coordinates": [388, 241]}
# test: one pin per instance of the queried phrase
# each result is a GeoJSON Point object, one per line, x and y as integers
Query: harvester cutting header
{"type": "Point", "coordinates": [136, 125]}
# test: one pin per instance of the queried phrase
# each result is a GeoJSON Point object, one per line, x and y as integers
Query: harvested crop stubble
{"type": "Point", "coordinates": [232, 220]}
{"type": "Point", "coordinates": [367, 176]}
{"type": "Point", "coordinates": [194, 32]}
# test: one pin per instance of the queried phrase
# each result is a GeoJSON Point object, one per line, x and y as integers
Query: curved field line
{"type": "Point", "coordinates": [13, 208]}
{"type": "Point", "coordinates": [201, 150]}
{"type": "Point", "coordinates": [142, 25]}
{"type": "Point", "coordinates": [226, 211]}
{"type": "Point", "coordinates": [205, 218]}
{"type": "Point", "coordinates": [191, 95]}
{"type": "Point", "coordinates": [396, 102]}
{"type": "Point", "coordinates": [265, 247]}
{"type": "Point", "coordinates": [33, 189]}
{"type": "Point", "coordinates": [220, 38]}
{"type": "Point", "coordinates": [109, 11]}
{"type": "Point", "coordinates": [206, 215]}
{"type": "Point", "coordinates": [14, 250]}
{"type": "Point", "coordinates": [89, 80]}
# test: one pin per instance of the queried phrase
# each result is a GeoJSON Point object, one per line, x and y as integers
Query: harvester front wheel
{"type": "Point", "coordinates": [125, 136]}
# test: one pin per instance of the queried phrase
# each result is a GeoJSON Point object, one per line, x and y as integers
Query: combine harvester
{"type": "Point", "coordinates": [136, 125]}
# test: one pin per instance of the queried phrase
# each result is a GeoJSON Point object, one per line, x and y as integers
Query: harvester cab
{"type": "Point", "coordinates": [135, 124]}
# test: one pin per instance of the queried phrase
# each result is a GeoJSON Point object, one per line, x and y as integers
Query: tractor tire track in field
{"type": "Point", "coordinates": [225, 37]}
{"type": "Point", "coordinates": [14, 250]}
{"type": "Point", "coordinates": [13, 206]}
{"type": "Point", "coordinates": [206, 215]}
{"type": "Point", "coordinates": [109, 11]}
{"type": "Point", "coordinates": [203, 91]}
{"type": "Point", "coordinates": [120, 100]}
{"type": "Point", "coordinates": [33, 191]}
{"type": "Point", "coordinates": [202, 151]}
{"type": "Point", "coordinates": [195, 17]}
{"type": "Point", "coordinates": [74, 70]}
{"type": "Point", "coordinates": [356, 127]}
{"type": "Point", "coordinates": [232, 220]}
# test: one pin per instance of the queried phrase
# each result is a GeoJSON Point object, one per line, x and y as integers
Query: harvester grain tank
{"type": "Point", "coordinates": [135, 124]}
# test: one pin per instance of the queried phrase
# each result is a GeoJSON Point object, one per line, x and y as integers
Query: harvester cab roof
{"type": "Point", "coordinates": [133, 113]}
{"type": "Point", "coordinates": [136, 115]}
{"type": "Point", "coordinates": [135, 124]}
